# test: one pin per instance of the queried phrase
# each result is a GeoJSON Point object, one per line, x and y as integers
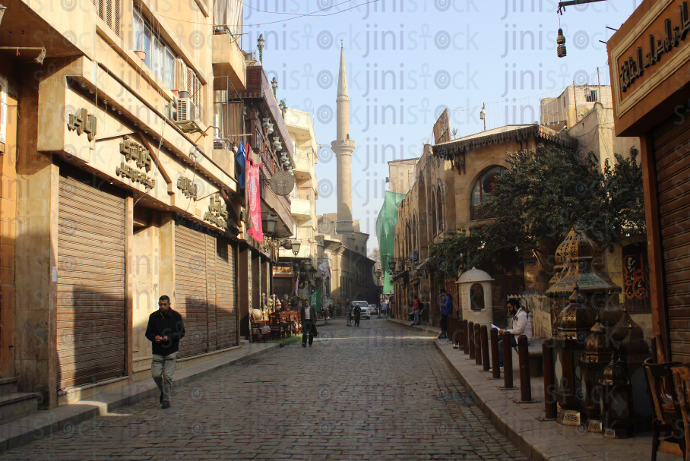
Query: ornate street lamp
{"type": "Point", "coordinates": [295, 248]}
{"type": "Point", "coordinates": [560, 40]}
{"type": "Point", "coordinates": [260, 44]}
{"type": "Point", "coordinates": [482, 115]}
{"type": "Point", "coordinates": [269, 225]}
{"type": "Point", "coordinates": [391, 266]}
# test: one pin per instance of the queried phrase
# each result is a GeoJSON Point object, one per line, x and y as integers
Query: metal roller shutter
{"type": "Point", "coordinates": [211, 268]}
{"type": "Point", "coordinates": [190, 289]}
{"type": "Point", "coordinates": [672, 158]}
{"type": "Point", "coordinates": [226, 294]}
{"type": "Point", "coordinates": [90, 284]}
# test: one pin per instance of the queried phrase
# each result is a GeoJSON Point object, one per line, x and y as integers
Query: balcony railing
{"type": "Point", "coordinates": [301, 195]}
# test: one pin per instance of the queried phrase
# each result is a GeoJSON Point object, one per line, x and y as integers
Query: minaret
{"type": "Point", "coordinates": [343, 147]}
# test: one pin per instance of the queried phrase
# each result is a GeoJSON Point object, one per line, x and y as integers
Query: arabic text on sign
{"type": "Point", "coordinates": [83, 122]}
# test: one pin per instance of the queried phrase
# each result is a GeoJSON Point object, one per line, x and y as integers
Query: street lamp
{"type": "Point", "coordinates": [269, 225]}
{"type": "Point", "coordinates": [295, 248]}
{"type": "Point", "coordinates": [260, 44]}
{"type": "Point", "coordinates": [560, 40]}
{"type": "Point", "coordinates": [274, 85]}
{"type": "Point", "coordinates": [391, 266]}
{"type": "Point", "coordinates": [482, 115]}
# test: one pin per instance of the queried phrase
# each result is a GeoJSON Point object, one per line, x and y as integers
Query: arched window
{"type": "Point", "coordinates": [440, 198]}
{"type": "Point", "coordinates": [482, 189]}
{"type": "Point", "coordinates": [476, 297]}
{"type": "Point", "coordinates": [433, 211]}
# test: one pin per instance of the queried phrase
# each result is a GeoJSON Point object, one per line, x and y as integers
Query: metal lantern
{"type": "Point", "coordinates": [266, 123]}
{"type": "Point", "coordinates": [295, 247]}
{"type": "Point", "coordinates": [269, 225]}
{"type": "Point", "coordinates": [597, 356]}
{"type": "Point", "coordinates": [616, 407]}
{"type": "Point", "coordinates": [391, 265]}
{"type": "Point", "coordinates": [560, 40]}
{"type": "Point", "coordinates": [270, 129]}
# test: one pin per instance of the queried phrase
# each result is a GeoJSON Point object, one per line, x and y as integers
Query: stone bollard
{"type": "Point", "coordinates": [470, 327]}
{"type": "Point", "coordinates": [523, 356]}
{"type": "Point", "coordinates": [466, 337]}
{"type": "Point", "coordinates": [496, 368]}
{"type": "Point", "coordinates": [477, 345]}
{"type": "Point", "coordinates": [507, 360]}
{"type": "Point", "coordinates": [484, 334]}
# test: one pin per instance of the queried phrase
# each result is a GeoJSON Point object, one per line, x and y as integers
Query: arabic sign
{"type": "Point", "coordinates": [217, 213]}
{"type": "Point", "coordinates": [187, 186]}
{"type": "Point", "coordinates": [83, 122]}
{"type": "Point", "coordinates": [140, 156]}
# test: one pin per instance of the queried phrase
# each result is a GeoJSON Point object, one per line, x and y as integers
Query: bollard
{"type": "Point", "coordinates": [496, 368]}
{"type": "Point", "coordinates": [484, 335]}
{"type": "Point", "coordinates": [507, 360]}
{"type": "Point", "coordinates": [477, 345]}
{"type": "Point", "coordinates": [550, 409]}
{"type": "Point", "coordinates": [525, 384]}
{"type": "Point", "coordinates": [466, 338]}
{"type": "Point", "coordinates": [470, 327]}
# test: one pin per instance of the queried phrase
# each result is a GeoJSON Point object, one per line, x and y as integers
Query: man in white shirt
{"type": "Point", "coordinates": [521, 325]}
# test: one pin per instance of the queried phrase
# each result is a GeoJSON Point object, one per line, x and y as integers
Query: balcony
{"type": "Point", "coordinates": [301, 204]}
{"type": "Point", "coordinates": [228, 60]}
{"type": "Point", "coordinates": [479, 212]}
{"type": "Point", "coordinates": [304, 166]}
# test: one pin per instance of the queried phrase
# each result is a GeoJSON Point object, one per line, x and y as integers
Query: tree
{"type": "Point", "coordinates": [375, 255]}
{"type": "Point", "coordinates": [538, 199]}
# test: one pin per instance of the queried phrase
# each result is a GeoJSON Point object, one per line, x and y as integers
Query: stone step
{"type": "Point", "coordinates": [17, 405]}
{"type": "Point", "coordinates": [8, 385]}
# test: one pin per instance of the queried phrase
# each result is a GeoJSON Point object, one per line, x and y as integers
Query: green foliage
{"type": "Point", "coordinates": [537, 201]}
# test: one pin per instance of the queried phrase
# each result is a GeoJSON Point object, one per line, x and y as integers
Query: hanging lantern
{"type": "Point", "coordinates": [560, 40]}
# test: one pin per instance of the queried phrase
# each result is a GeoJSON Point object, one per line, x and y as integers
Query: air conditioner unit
{"type": "Point", "coordinates": [187, 116]}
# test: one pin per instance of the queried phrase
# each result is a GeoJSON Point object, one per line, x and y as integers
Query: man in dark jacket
{"type": "Point", "coordinates": [446, 310]}
{"type": "Point", "coordinates": [165, 329]}
{"type": "Point", "coordinates": [308, 318]}
{"type": "Point", "coordinates": [356, 313]}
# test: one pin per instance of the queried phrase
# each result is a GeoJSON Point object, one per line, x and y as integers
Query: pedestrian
{"type": "Point", "coordinates": [164, 330]}
{"type": "Point", "coordinates": [357, 312]}
{"type": "Point", "coordinates": [348, 312]}
{"type": "Point", "coordinates": [308, 317]}
{"type": "Point", "coordinates": [521, 325]}
{"type": "Point", "coordinates": [416, 310]}
{"type": "Point", "coordinates": [446, 310]}
{"type": "Point", "coordinates": [384, 307]}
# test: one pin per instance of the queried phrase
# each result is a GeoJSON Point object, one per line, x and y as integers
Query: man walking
{"type": "Point", "coordinates": [417, 311]}
{"type": "Point", "coordinates": [446, 310]}
{"type": "Point", "coordinates": [164, 330]}
{"type": "Point", "coordinates": [308, 318]}
{"type": "Point", "coordinates": [348, 312]}
{"type": "Point", "coordinates": [521, 325]}
{"type": "Point", "coordinates": [357, 312]}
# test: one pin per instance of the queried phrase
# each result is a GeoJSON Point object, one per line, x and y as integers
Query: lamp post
{"type": "Point", "coordinates": [260, 45]}
{"type": "Point", "coordinates": [269, 225]}
{"type": "Point", "coordinates": [295, 248]}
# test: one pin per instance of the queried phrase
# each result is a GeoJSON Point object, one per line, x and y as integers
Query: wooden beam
{"type": "Point", "coordinates": [156, 160]}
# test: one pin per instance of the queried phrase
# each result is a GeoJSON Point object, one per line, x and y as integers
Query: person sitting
{"type": "Point", "coordinates": [521, 325]}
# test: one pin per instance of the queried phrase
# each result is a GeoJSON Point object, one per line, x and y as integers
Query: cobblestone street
{"type": "Point", "coordinates": [381, 391]}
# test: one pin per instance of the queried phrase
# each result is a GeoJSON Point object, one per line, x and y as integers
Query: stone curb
{"type": "Point", "coordinates": [66, 418]}
{"type": "Point", "coordinates": [424, 328]}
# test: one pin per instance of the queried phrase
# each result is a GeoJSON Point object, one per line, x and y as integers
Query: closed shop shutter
{"type": "Point", "coordinates": [226, 293]}
{"type": "Point", "coordinates": [90, 283]}
{"type": "Point", "coordinates": [672, 157]}
{"type": "Point", "coordinates": [190, 289]}
{"type": "Point", "coordinates": [211, 276]}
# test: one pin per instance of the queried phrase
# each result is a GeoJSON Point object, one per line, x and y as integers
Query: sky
{"type": "Point", "coordinates": [408, 60]}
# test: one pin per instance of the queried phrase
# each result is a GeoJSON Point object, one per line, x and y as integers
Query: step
{"type": "Point", "coordinates": [17, 405]}
{"type": "Point", "coordinates": [8, 385]}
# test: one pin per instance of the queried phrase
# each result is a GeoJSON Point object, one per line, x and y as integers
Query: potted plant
{"type": "Point", "coordinates": [141, 54]}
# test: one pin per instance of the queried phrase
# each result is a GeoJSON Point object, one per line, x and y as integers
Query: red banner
{"type": "Point", "coordinates": [254, 200]}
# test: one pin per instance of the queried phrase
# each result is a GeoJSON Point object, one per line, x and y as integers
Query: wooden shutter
{"type": "Point", "coordinates": [190, 289]}
{"type": "Point", "coordinates": [211, 275]}
{"type": "Point", "coordinates": [90, 284]}
{"type": "Point", "coordinates": [671, 153]}
{"type": "Point", "coordinates": [226, 294]}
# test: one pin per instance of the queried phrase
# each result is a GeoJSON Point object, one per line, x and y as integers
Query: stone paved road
{"type": "Point", "coordinates": [380, 391]}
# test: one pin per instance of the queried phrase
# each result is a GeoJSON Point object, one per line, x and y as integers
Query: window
{"type": "Point", "coordinates": [481, 191]}
{"type": "Point", "coordinates": [476, 297]}
{"type": "Point", "coordinates": [590, 95]}
{"type": "Point", "coordinates": [159, 58]}
{"type": "Point", "coordinates": [110, 11]}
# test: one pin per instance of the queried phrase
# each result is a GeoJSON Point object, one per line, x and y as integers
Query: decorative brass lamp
{"type": "Point", "coordinates": [616, 406]}
{"type": "Point", "coordinates": [597, 357]}
{"type": "Point", "coordinates": [589, 292]}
